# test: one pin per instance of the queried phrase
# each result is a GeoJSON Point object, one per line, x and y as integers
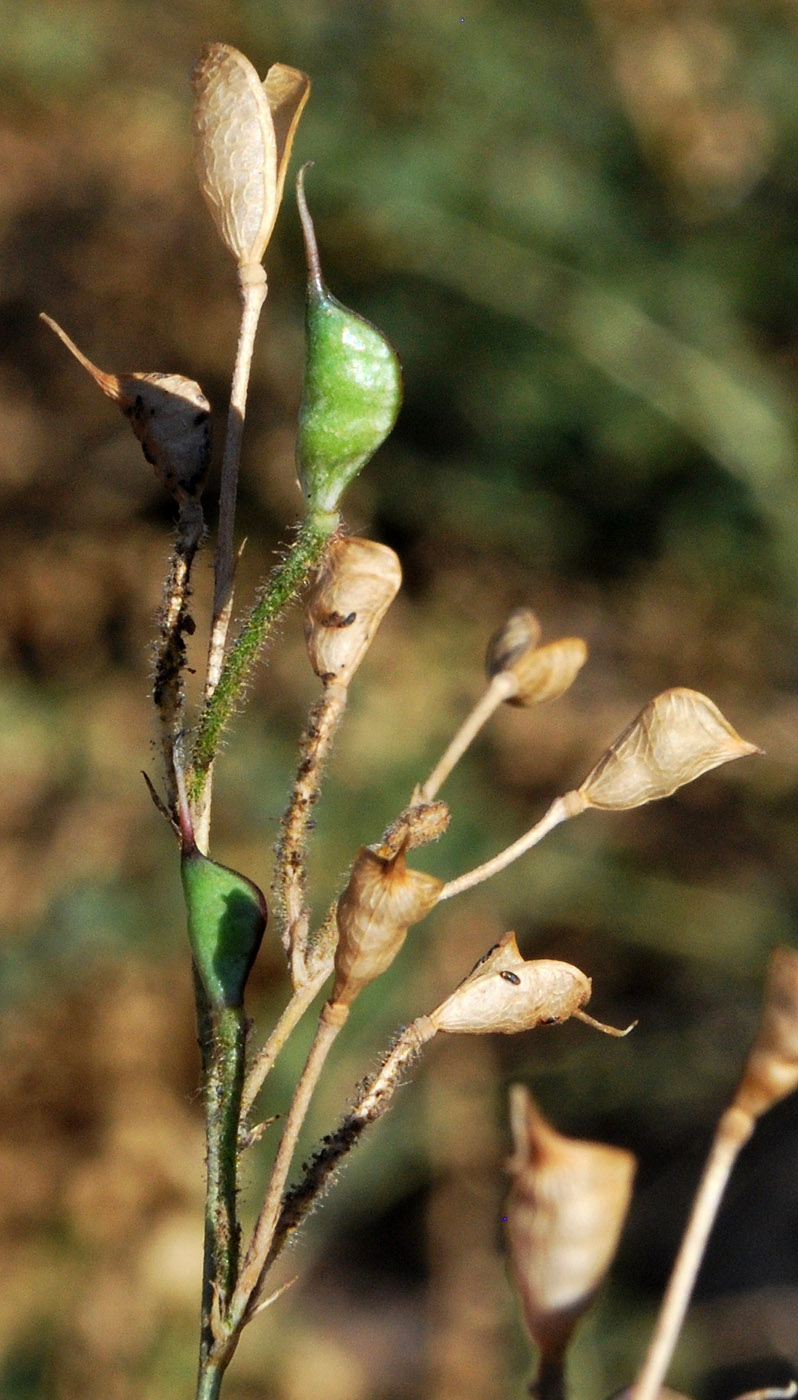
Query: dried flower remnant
{"type": "Point", "coordinates": [244, 131]}
{"type": "Point", "coordinates": [356, 584]}
{"type": "Point", "coordinates": [169, 414]}
{"type": "Point", "coordinates": [771, 1070]}
{"type": "Point", "coordinates": [382, 899]}
{"type": "Point", "coordinates": [565, 1212]}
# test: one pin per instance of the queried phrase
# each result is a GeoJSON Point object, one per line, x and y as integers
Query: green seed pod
{"type": "Point", "coordinates": [352, 389]}
{"type": "Point", "coordinates": [226, 921]}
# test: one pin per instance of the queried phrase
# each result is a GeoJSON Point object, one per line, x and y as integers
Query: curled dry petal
{"type": "Point", "coordinates": [416, 826]}
{"type": "Point", "coordinates": [354, 588]}
{"type": "Point", "coordinates": [169, 414]}
{"type": "Point", "coordinates": [243, 134]}
{"type": "Point", "coordinates": [506, 994]}
{"type": "Point", "coordinates": [677, 737]}
{"type": "Point", "coordinates": [382, 899]}
{"type": "Point", "coordinates": [539, 673]}
{"type": "Point", "coordinates": [566, 1208]}
{"type": "Point", "coordinates": [771, 1070]}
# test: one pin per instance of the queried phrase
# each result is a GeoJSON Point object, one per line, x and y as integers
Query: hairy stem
{"type": "Point", "coordinates": [285, 581]}
{"type": "Point", "coordinates": [222, 1037]}
{"type": "Point", "coordinates": [174, 624]}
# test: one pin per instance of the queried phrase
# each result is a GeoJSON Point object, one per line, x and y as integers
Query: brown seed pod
{"type": "Point", "coordinates": [169, 414]}
{"type": "Point", "coordinates": [565, 1211]}
{"type": "Point", "coordinates": [354, 588]}
{"type": "Point", "coordinates": [243, 133]}
{"type": "Point", "coordinates": [382, 899]}
{"type": "Point", "coordinates": [505, 993]}
{"type": "Point", "coordinates": [677, 736]}
{"type": "Point", "coordinates": [540, 673]}
{"type": "Point", "coordinates": [771, 1070]}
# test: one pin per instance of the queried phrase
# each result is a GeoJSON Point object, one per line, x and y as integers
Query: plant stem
{"type": "Point", "coordinates": [222, 1037]}
{"type": "Point", "coordinates": [501, 687]}
{"type": "Point", "coordinates": [296, 1008]}
{"type": "Point", "coordinates": [174, 623]}
{"type": "Point", "coordinates": [733, 1132]}
{"type": "Point", "coordinates": [252, 290]}
{"type": "Point", "coordinates": [245, 1296]}
{"type": "Point", "coordinates": [560, 810]}
{"type": "Point", "coordinates": [209, 1382]}
{"type": "Point", "coordinates": [285, 581]}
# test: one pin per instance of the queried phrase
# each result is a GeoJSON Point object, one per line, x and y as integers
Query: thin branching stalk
{"type": "Point", "coordinates": [252, 289]}
{"type": "Point", "coordinates": [501, 687]}
{"type": "Point", "coordinates": [289, 884]}
{"type": "Point", "coordinates": [733, 1132]}
{"type": "Point", "coordinates": [293, 1013]}
{"type": "Point", "coordinates": [247, 1290]}
{"type": "Point", "coordinates": [561, 809]}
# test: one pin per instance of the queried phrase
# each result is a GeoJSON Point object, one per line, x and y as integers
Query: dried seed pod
{"type": "Point", "coordinates": [351, 392]}
{"type": "Point", "coordinates": [771, 1070]}
{"type": "Point", "coordinates": [356, 584]}
{"type": "Point", "coordinates": [169, 414]}
{"type": "Point", "coordinates": [565, 1211]}
{"type": "Point", "coordinates": [539, 673]}
{"type": "Point", "coordinates": [506, 994]}
{"type": "Point", "coordinates": [677, 737]}
{"type": "Point", "coordinates": [382, 899]}
{"type": "Point", "coordinates": [243, 132]}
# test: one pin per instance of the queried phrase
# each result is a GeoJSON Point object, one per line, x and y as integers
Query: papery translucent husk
{"type": "Point", "coordinates": [354, 588]}
{"type": "Point", "coordinates": [565, 1212]}
{"type": "Point", "coordinates": [677, 736]}
{"type": "Point", "coordinates": [540, 673]}
{"type": "Point", "coordinates": [243, 133]}
{"type": "Point", "coordinates": [519, 635]}
{"type": "Point", "coordinates": [771, 1070]}
{"type": "Point", "coordinates": [382, 899]}
{"type": "Point", "coordinates": [506, 994]}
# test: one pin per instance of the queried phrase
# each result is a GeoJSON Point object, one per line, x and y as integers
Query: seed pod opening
{"type": "Point", "coordinates": [355, 586]}
{"type": "Point", "coordinates": [243, 134]}
{"type": "Point", "coordinates": [169, 415]}
{"type": "Point", "coordinates": [677, 736]}
{"type": "Point", "coordinates": [506, 994]}
{"type": "Point", "coordinates": [380, 902]}
{"type": "Point", "coordinates": [351, 391]}
{"type": "Point", "coordinates": [565, 1212]}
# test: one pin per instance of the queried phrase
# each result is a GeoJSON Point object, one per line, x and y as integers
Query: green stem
{"type": "Point", "coordinates": [222, 1038]}
{"type": "Point", "coordinates": [285, 581]}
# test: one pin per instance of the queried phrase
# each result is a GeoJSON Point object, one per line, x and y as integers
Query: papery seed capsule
{"type": "Point", "coordinates": [169, 414]}
{"type": "Point", "coordinates": [504, 993]}
{"type": "Point", "coordinates": [565, 1211]}
{"type": "Point", "coordinates": [677, 736]}
{"type": "Point", "coordinates": [351, 392]}
{"type": "Point", "coordinates": [382, 899]}
{"type": "Point", "coordinates": [243, 133]}
{"type": "Point", "coordinates": [355, 586]}
{"type": "Point", "coordinates": [540, 673]}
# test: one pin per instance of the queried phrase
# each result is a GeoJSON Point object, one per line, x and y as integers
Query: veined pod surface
{"type": "Point", "coordinates": [243, 133]}
{"type": "Point", "coordinates": [679, 735]}
{"type": "Point", "coordinates": [351, 391]}
{"type": "Point", "coordinates": [380, 902]}
{"type": "Point", "coordinates": [539, 672]}
{"type": "Point", "coordinates": [356, 584]}
{"type": "Point", "coordinates": [504, 993]}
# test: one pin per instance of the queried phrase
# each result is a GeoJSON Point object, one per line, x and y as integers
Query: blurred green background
{"type": "Point", "coordinates": [576, 222]}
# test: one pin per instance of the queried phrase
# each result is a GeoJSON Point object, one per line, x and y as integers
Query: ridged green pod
{"type": "Point", "coordinates": [352, 389]}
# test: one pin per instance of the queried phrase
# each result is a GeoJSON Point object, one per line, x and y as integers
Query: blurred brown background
{"type": "Point", "coordinates": [576, 221]}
